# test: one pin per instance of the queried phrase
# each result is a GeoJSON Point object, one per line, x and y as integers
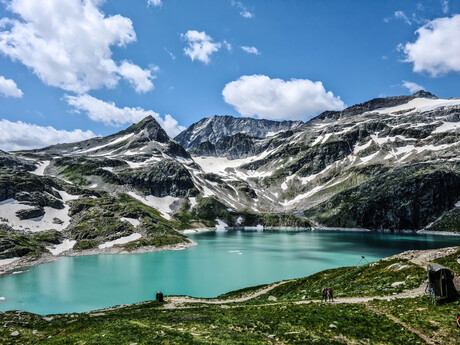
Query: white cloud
{"type": "Point", "coordinates": [296, 99]}
{"type": "Point", "coordinates": [67, 44]}
{"type": "Point", "coordinates": [243, 10]}
{"type": "Point", "coordinates": [250, 50]}
{"type": "Point", "coordinates": [437, 48]}
{"type": "Point", "coordinates": [227, 45]}
{"type": "Point", "coordinates": [170, 54]}
{"type": "Point", "coordinates": [9, 88]}
{"type": "Point", "coordinates": [110, 114]}
{"type": "Point", "coordinates": [140, 79]}
{"type": "Point", "coordinates": [154, 3]}
{"type": "Point", "coordinates": [22, 136]}
{"type": "Point", "coordinates": [401, 15]}
{"type": "Point", "coordinates": [200, 46]}
{"type": "Point", "coordinates": [445, 6]}
{"type": "Point", "coordinates": [412, 87]}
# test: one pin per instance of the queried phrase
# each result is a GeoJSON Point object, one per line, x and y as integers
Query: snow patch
{"type": "Point", "coordinates": [418, 104]}
{"type": "Point", "coordinates": [8, 261]}
{"type": "Point", "coordinates": [40, 171]}
{"type": "Point", "coordinates": [132, 221]}
{"type": "Point", "coordinates": [447, 126]}
{"type": "Point", "coordinates": [61, 248]}
{"type": "Point", "coordinates": [163, 205]}
{"type": "Point", "coordinates": [221, 226]}
{"type": "Point", "coordinates": [121, 240]}
{"type": "Point", "coordinates": [116, 141]}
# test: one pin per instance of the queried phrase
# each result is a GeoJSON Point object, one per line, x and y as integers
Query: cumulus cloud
{"type": "Point", "coordinates": [23, 136]}
{"type": "Point", "coordinates": [296, 99]}
{"type": "Point", "coordinates": [140, 79]}
{"type": "Point", "coordinates": [9, 88]}
{"type": "Point", "coordinates": [200, 46]}
{"type": "Point", "coordinates": [67, 44]}
{"type": "Point", "coordinates": [437, 47]}
{"type": "Point", "coordinates": [154, 3]}
{"type": "Point", "coordinates": [243, 10]}
{"type": "Point", "coordinates": [411, 86]}
{"type": "Point", "coordinates": [110, 114]}
{"type": "Point", "coordinates": [250, 50]}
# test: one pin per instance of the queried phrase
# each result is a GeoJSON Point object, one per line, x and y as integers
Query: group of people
{"type": "Point", "coordinates": [327, 293]}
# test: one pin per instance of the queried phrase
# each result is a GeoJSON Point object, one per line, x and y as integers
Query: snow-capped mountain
{"type": "Point", "coordinates": [389, 163]}
{"type": "Point", "coordinates": [211, 130]}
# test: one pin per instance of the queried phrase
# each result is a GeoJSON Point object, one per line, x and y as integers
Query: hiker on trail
{"type": "Point", "coordinates": [324, 294]}
{"type": "Point", "coordinates": [330, 295]}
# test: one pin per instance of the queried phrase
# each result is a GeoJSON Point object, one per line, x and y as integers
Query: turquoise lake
{"type": "Point", "coordinates": [223, 261]}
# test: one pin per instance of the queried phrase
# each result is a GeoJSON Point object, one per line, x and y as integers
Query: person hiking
{"type": "Point", "coordinates": [324, 294]}
{"type": "Point", "coordinates": [330, 295]}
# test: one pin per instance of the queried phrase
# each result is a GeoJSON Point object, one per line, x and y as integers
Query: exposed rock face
{"type": "Point", "coordinates": [236, 146]}
{"type": "Point", "coordinates": [9, 161]}
{"type": "Point", "coordinates": [23, 186]}
{"type": "Point", "coordinates": [217, 127]}
{"type": "Point", "coordinates": [161, 179]}
{"type": "Point", "coordinates": [402, 198]}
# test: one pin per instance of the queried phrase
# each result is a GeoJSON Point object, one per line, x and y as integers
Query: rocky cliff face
{"type": "Point", "coordinates": [217, 127]}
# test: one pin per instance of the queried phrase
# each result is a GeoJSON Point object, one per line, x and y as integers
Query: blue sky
{"type": "Point", "coordinates": [90, 67]}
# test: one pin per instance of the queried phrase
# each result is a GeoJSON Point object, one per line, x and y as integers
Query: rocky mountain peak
{"type": "Point", "coordinates": [148, 127]}
{"type": "Point", "coordinates": [424, 94]}
{"type": "Point", "coordinates": [219, 126]}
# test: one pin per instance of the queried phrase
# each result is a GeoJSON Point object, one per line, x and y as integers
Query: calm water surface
{"type": "Point", "coordinates": [222, 262]}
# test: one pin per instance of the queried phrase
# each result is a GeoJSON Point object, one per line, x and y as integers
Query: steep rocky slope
{"type": "Point", "coordinates": [296, 171]}
{"type": "Point", "coordinates": [210, 130]}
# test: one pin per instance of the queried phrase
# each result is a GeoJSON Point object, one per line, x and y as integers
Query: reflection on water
{"type": "Point", "coordinates": [222, 262]}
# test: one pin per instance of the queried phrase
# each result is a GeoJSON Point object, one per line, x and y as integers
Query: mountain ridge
{"type": "Point", "coordinates": [141, 186]}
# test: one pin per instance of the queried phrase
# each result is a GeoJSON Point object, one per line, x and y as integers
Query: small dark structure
{"type": "Point", "coordinates": [441, 283]}
{"type": "Point", "coordinates": [159, 297]}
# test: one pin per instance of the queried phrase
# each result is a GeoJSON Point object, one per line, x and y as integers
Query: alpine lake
{"type": "Point", "coordinates": [223, 261]}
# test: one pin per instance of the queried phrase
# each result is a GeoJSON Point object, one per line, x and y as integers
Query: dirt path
{"type": "Point", "coordinates": [405, 325]}
{"type": "Point", "coordinates": [178, 301]}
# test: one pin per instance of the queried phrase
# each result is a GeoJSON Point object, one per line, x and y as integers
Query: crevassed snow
{"type": "Point", "coordinates": [41, 168]}
{"type": "Point", "coordinates": [116, 141]}
{"type": "Point", "coordinates": [161, 204]}
{"type": "Point", "coordinates": [7, 261]}
{"type": "Point", "coordinates": [121, 240]}
{"type": "Point", "coordinates": [62, 247]}
{"type": "Point", "coordinates": [132, 221]}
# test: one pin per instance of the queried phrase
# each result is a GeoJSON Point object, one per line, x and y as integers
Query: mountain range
{"type": "Point", "coordinates": [386, 164]}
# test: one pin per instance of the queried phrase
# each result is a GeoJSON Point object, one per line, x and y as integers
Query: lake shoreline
{"type": "Point", "coordinates": [20, 263]}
